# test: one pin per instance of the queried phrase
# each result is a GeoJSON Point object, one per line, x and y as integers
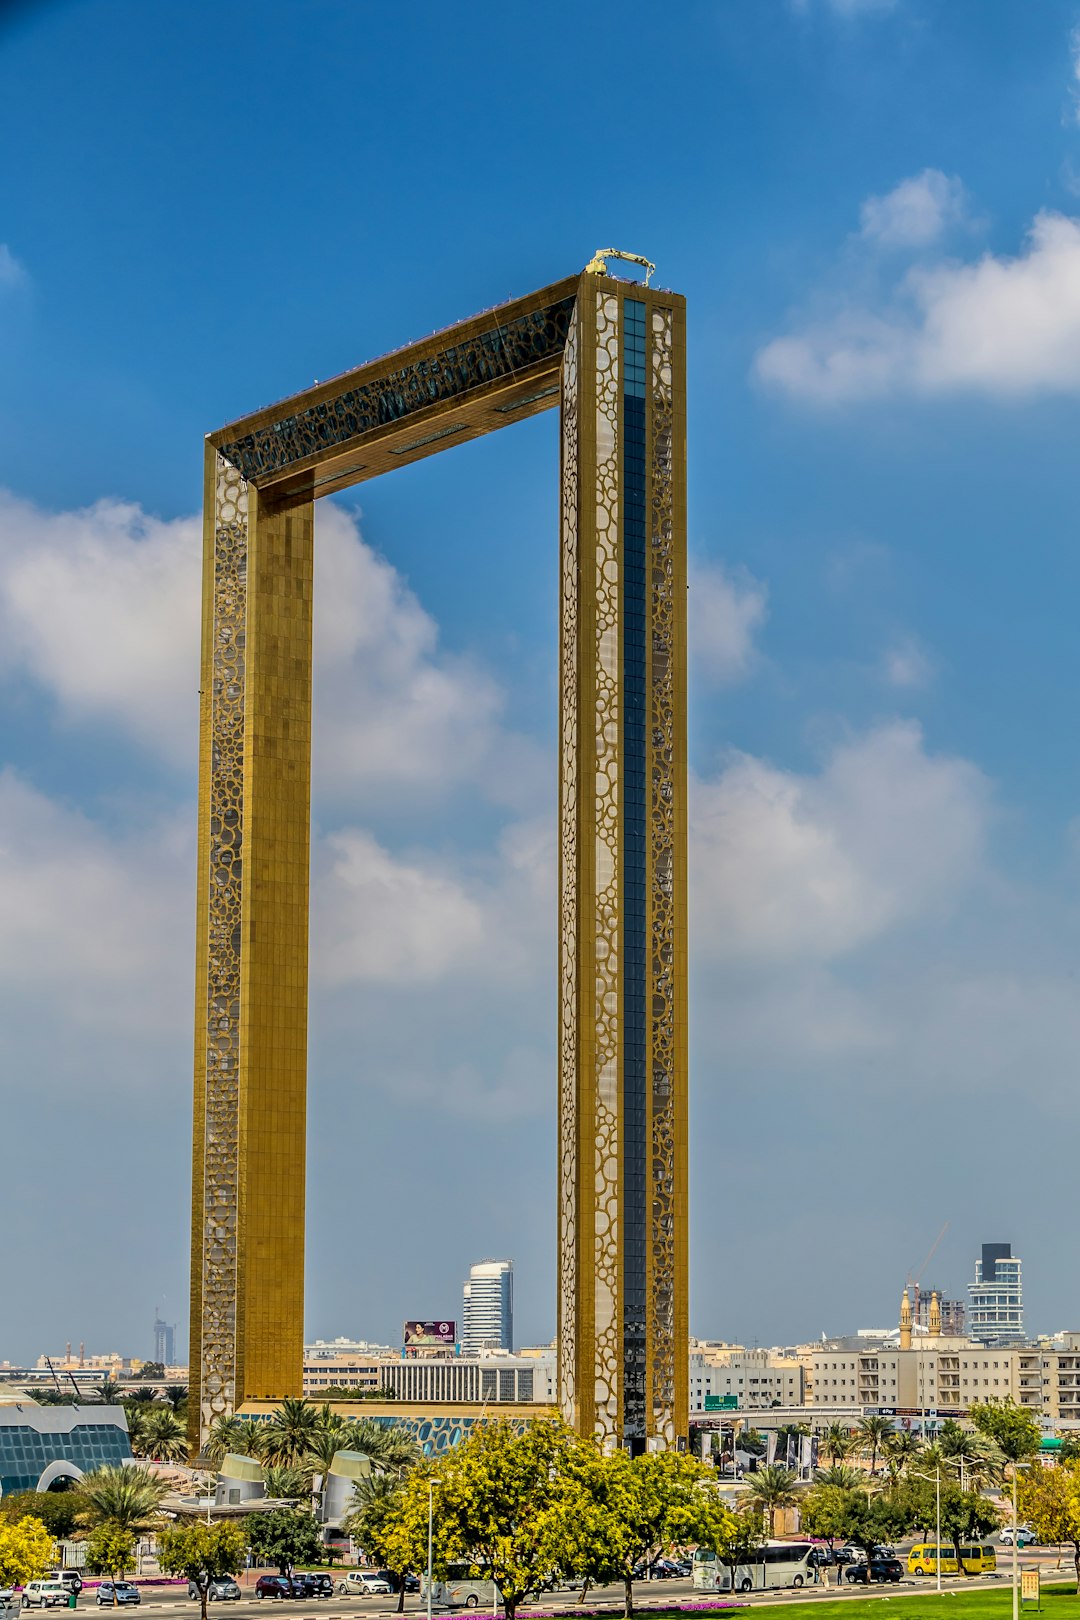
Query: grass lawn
{"type": "Point", "coordinates": [1059, 1602]}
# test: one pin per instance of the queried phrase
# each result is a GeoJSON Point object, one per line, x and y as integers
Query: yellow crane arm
{"type": "Point", "coordinates": [597, 265]}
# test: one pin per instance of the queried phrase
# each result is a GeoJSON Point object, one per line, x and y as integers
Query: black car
{"type": "Point", "coordinates": [878, 1569]}
{"type": "Point", "coordinates": [395, 1582]}
{"type": "Point", "coordinates": [315, 1583]}
{"type": "Point", "coordinates": [118, 1592]}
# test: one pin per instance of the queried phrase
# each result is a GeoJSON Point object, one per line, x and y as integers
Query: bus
{"type": "Point", "coordinates": [460, 1590]}
{"type": "Point", "coordinates": [923, 1559]}
{"type": "Point", "coordinates": [777, 1563]}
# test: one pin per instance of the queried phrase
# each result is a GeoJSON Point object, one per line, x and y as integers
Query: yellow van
{"type": "Point", "coordinates": [923, 1560]}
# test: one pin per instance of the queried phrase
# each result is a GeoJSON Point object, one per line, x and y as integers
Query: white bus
{"type": "Point", "coordinates": [460, 1590]}
{"type": "Point", "coordinates": [777, 1563]}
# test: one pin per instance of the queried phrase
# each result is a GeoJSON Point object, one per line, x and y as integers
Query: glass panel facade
{"type": "Point", "coordinates": [26, 1452]}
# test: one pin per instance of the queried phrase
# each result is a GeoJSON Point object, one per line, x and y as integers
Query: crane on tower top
{"type": "Point", "coordinates": [913, 1282]}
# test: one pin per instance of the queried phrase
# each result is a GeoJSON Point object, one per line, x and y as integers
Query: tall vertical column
{"type": "Point", "coordinates": [622, 882]}
{"type": "Point", "coordinates": [247, 1278]}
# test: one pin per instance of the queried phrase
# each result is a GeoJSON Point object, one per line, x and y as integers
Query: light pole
{"type": "Point", "coordinates": [1016, 1467]}
{"type": "Point", "coordinates": [430, 1513]}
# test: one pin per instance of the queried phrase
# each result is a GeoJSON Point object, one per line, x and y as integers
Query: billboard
{"type": "Point", "coordinates": [429, 1335]}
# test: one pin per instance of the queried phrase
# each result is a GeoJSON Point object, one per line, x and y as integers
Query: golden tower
{"type": "Point", "coordinates": [905, 1321]}
{"type": "Point", "coordinates": [611, 353]}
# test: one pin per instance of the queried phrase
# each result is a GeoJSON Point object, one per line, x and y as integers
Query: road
{"type": "Point", "coordinates": [647, 1594]}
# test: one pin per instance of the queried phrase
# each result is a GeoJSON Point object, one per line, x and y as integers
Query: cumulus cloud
{"type": "Point", "coordinates": [810, 867]}
{"type": "Point", "coordinates": [726, 608]}
{"type": "Point", "coordinates": [915, 213]}
{"type": "Point", "coordinates": [93, 920]}
{"type": "Point", "coordinates": [101, 607]}
{"type": "Point", "coordinates": [1005, 327]}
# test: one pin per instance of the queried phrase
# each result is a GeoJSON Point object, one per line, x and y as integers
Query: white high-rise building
{"type": "Point", "coordinates": [996, 1313]}
{"type": "Point", "coordinates": [487, 1318]}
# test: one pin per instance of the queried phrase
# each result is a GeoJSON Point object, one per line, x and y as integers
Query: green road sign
{"type": "Point", "coordinates": [721, 1403]}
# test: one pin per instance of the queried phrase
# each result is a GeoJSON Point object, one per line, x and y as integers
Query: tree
{"type": "Point", "coordinates": [873, 1432]}
{"type": "Point", "coordinates": [1014, 1430]}
{"type": "Point", "coordinates": [840, 1476]}
{"type": "Point", "coordinates": [855, 1516]}
{"type": "Point", "coordinates": [739, 1542]}
{"type": "Point", "coordinates": [287, 1438]}
{"type": "Point", "coordinates": [164, 1436]}
{"type": "Point", "coordinates": [771, 1488]}
{"type": "Point", "coordinates": [378, 1525]}
{"type": "Point", "coordinates": [752, 1442]}
{"type": "Point", "coordinates": [286, 1484]}
{"type": "Point", "coordinates": [177, 1396]}
{"type": "Point", "coordinates": [1049, 1499]}
{"type": "Point", "coordinates": [964, 1516]}
{"type": "Point", "coordinates": [57, 1510]}
{"type": "Point", "coordinates": [110, 1551]}
{"type": "Point", "coordinates": [621, 1511]}
{"type": "Point", "coordinates": [26, 1551]}
{"type": "Point", "coordinates": [125, 1496]}
{"type": "Point", "coordinates": [825, 1510]}
{"type": "Point", "coordinates": [108, 1391]}
{"type": "Point", "coordinates": [838, 1441]}
{"type": "Point", "coordinates": [285, 1537]}
{"type": "Point", "coordinates": [143, 1395]}
{"type": "Point", "coordinates": [495, 1496]}
{"type": "Point", "coordinates": [899, 1449]}
{"type": "Point", "coordinates": [153, 1369]}
{"type": "Point", "coordinates": [978, 1459]}
{"type": "Point", "coordinates": [202, 1552]}
{"type": "Point", "coordinates": [789, 1438]}
{"type": "Point", "coordinates": [232, 1434]}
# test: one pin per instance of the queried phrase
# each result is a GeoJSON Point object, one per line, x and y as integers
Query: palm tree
{"type": "Point", "coordinates": [108, 1391]}
{"type": "Point", "coordinates": [165, 1437]}
{"type": "Point", "coordinates": [873, 1432]}
{"type": "Point", "coordinates": [176, 1395]}
{"type": "Point", "coordinates": [389, 1446]}
{"type": "Point", "coordinates": [287, 1438]}
{"type": "Point", "coordinates": [841, 1476]}
{"type": "Point", "coordinates": [125, 1496]}
{"type": "Point", "coordinates": [899, 1449]}
{"type": "Point", "coordinates": [285, 1484]}
{"type": "Point", "coordinates": [136, 1422]}
{"type": "Point", "coordinates": [236, 1434]}
{"type": "Point", "coordinates": [144, 1394]}
{"type": "Point", "coordinates": [977, 1459]}
{"type": "Point", "coordinates": [770, 1488]}
{"type": "Point", "coordinates": [837, 1441]}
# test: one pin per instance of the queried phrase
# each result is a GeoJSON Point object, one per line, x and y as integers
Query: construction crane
{"type": "Point", "coordinates": [597, 265]}
{"type": "Point", "coordinates": [913, 1282]}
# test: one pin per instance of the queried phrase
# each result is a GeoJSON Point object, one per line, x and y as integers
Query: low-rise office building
{"type": "Point", "coordinates": [41, 1446]}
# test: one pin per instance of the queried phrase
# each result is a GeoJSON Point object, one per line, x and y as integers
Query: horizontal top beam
{"type": "Point", "coordinates": [498, 367]}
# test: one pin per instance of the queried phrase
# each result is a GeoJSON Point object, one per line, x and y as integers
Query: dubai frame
{"type": "Point", "coordinates": [611, 353]}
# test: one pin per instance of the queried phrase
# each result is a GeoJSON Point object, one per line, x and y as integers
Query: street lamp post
{"type": "Point", "coordinates": [430, 1513]}
{"type": "Point", "coordinates": [1016, 1467]}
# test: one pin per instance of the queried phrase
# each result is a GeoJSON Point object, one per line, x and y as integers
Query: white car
{"type": "Point", "coordinates": [364, 1583]}
{"type": "Point", "coordinates": [1018, 1533]}
{"type": "Point", "coordinates": [44, 1595]}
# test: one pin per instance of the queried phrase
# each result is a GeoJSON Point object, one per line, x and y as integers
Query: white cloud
{"type": "Point", "coordinates": [89, 920]}
{"type": "Point", "coordinates": [790, 867]}
{"type": "Point", "coordinates": [12, 272]}
{"type": "Point", "coordinates": [907, 665]}
{"type": "Point", "coordinates": [101, 606]}
{"type": "Point", "coordinates": [1006, 327]}
{"type": "Point", "coordinates": [915, 213]}
{"type": "Point", "coordinates": [725, 608]}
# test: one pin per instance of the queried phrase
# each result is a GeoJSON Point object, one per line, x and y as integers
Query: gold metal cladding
{"type": "Point", "coordinates": [562, 344]}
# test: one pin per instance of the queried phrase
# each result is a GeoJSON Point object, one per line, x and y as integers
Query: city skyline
{"type": "Point", "coordinates": [884, 792]}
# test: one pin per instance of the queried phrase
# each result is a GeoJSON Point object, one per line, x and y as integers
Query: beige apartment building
{"type": "Point", "coordinates": [759, 1379]}
{"type": "Point", "coordinates": [938, 1373]}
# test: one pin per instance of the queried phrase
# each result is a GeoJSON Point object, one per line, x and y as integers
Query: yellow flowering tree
{"type": "Point", "coordinates": [26, 1552]}
{"type": "Point", "coordinates": [1049, 1499]}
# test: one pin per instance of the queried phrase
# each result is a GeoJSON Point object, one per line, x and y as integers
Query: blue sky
{"type": "Point", "coordinates": [873, 208]}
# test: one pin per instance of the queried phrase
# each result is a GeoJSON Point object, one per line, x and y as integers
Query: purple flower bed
{"type": "Point", "coordinates": [696, 1606]}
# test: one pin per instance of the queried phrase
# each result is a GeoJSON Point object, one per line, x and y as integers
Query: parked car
{"type": "Point", "coordinates": [118, 1592]}
{"type": "Point", "coordinates": [222, 1589]}
{"type": "Point", "coordinates": [7, 1597]}
{"type": "Point", "coordinates": [45, 1594]}
{"type": "Point", "coordinates": [316, 1583]}
{"type": "Point", "coordinates": [364, 1583]}
{"type": "Point", "coordinates": [878, 1569]}
{"type": "Point", "coordinates": [395, 1582]}
{"type": "Point", "coordinates": [278, 1586]}
{"type": "Point", "coordinates": [846, 1555]}
{"type": "Point", "coordinates": [70, 1577]}
{"type": "Point", "coordinates": [1020, 1534]}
